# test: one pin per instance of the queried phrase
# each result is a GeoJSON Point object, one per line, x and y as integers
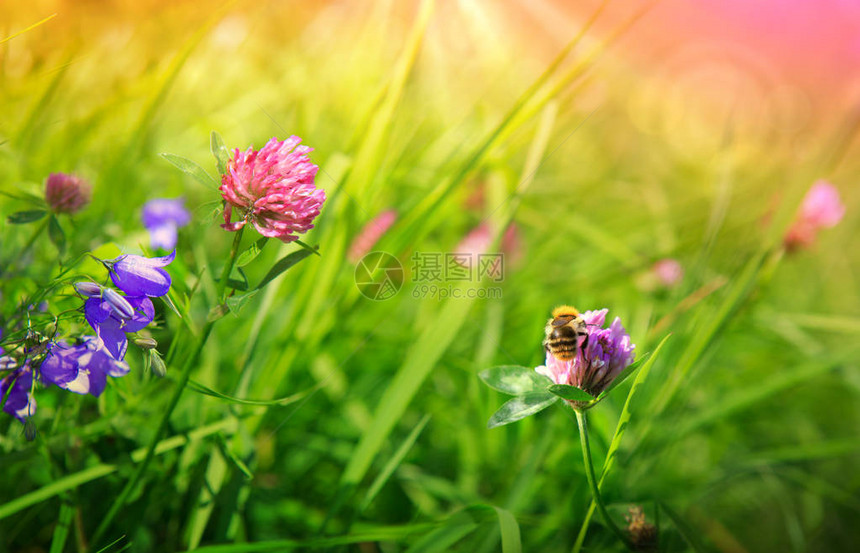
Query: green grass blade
{"type": "Point", "coordinates": [101, 470]}
{"type": "Point", "coordinates": [747, 397]}
{"type": "Point", "coordinates": [30, 28]}
{"type": "Point", "coordinates": [511, 541]}
{"type": "Point", "coordinates": [441, 539]}
{"type": "Point", "coordinates": [61, 530]}
{"type": "Point", "coordinates": [201, 389]}
{"type": "Point", "coordinates": [394, 462]}
{"type": "Point", "coordinates": [420, 359]}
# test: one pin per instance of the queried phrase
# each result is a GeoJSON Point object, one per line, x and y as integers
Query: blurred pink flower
{"type": "Point", "coordinates": [821, 208]}
{"type": "Point", "coordinates": [273, 188]}
{"type": "Point", "coordinates": [66, 193]}
{"type": "Point", "coordinates": [370, 235]}
{"type": "Point", "coordinates": [477, 243]}
{"type": "Point", "coordinates": [668, 272]}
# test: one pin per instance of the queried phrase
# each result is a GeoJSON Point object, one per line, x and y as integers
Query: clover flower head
{"type": "Point", "coordinates": [602, 356]}
{"type": "Point", "coordinates": [66, 193]}
{"type": "Point", "coordinates": [370, 235]}
{"type": "Point", "coordinates": [668, 271]}
{"type": "Point", "coordinates": [141, 276]}
{"type": "Point", "coordinates": [272, 188]}
{"type": "Point", "coordinates": [162, 217]}
{"type": "Point", "coordinates": [821, 208]}
{"type": "Point", "coordinates": [82, 369]}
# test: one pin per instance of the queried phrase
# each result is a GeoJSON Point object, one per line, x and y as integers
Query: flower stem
{"type": "Point", "coordinates": [184, 376]}
{"type": "Point", "coordinates": [592, 481]}
{"type": "Point", "coordinates": [32, 240]}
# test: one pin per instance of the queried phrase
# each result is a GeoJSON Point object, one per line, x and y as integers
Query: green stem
{"type": "Point", "coordinates": [592, 481]}
{"type": "Point", "coordinates": [32, 240]}
{"type": "Point", "coordinates": [184, 377]}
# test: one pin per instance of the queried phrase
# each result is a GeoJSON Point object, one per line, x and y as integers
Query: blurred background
{"type": "Point", "coordinates": [673, 130]}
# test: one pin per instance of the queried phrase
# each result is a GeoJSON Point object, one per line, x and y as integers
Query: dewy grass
{"type": "Point", "coordinates": [463, 118]}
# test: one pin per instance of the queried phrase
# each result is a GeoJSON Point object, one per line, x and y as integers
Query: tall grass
{"type": "Point", "coordinates": [316, 418]}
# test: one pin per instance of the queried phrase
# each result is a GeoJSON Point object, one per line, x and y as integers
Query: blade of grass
{"type": "Point", "coordinates": [383, 533]}
{"type": "Point", "coordinates": [201, 389]}
{"type": "Point", "coordinates": [416, 218]}
{"type": "Point", "coordinates": [394, 462]}
{"type": "Point", "coordinates": [98, 471]}
{"type": "Point", "coordinates": [30, 28]}
{"type": "Point", "coordinates": [749, 396]}
{"type": "Point", "coordinates": [61, 530]}
{"type": "Point", "coordinates": [511, 541]}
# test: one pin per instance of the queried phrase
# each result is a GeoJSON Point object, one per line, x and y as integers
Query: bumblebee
{"type": "Point", "coordinates": [563, 333]}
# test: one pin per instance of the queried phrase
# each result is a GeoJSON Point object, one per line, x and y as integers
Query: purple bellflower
{"type": "Point", "coordinates": [117, 303]}
{"type": "Point", "coordinates": [141, 276]}
{"type": "Point", "coordinates": [82, 369]}
{"type": "Point", "coordinates": [162, 217]}
{"type": "Point", "coordinates": [15, 388]}
{"type": "Point", "coordinates": [111, 325]}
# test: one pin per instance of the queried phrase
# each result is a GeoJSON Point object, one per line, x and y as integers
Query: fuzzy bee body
{"type": "Point", "coordinates": [563, 333]}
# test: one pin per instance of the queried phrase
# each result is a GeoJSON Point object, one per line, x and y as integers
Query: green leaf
{"type": "Point", "coordinates": [394, 462]}
{"type": "Point", "coordinates": [521, 407]}
{"type": "Point", "coordinates": [510, 530]}
{"type": "Point", "coordinates": [312, 249]}
{"type": "Point", "coordinates": [56, 234]}
{"type": "Point", "coordinates": [513, 379]}
{"type": "Point", "coordinates": [251, 253]}
{"type": "Point", "coordinates": [192, 169]}
{"type": "Point", "coordinates": [201, 389]}
{"type": "Point", "coordinates": [237, 284]}
{"type": "Point", "coordinates": [446, 535]}
{"type": "Point", "coordinates": [570, 392]}
{"type": "Point", "coordinates": [237, 302]}
{"type": "Point", "coordinates": [217, 312]}
{"type": "Point", "coordinates": [219, 150]}
{"type": "Point", "coordinates": [281, 266]}
{"type": "Point", "coordinates": [624, 374]}
{"type": "Point", "coordinates": [231, 455]}
{"type": "Point", "coordinates": [24, 217]}
{"type": "Point", "coordinates": [25, 196]}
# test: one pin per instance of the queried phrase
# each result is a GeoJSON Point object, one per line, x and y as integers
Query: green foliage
{"type": "Point", "coordinates": [318, 419]}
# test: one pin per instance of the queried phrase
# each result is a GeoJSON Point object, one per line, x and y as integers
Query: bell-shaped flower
{"type": "Point", "coordinates": [162, 217]}
{"type": "Point", "coordinates": [111, 327]}
{"type": "Point", "coordinates": [141, 276]}
{"type": "Point", "coordinates": [82, 369]}
{"type": "Point", "coordinates": [15, 387]}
